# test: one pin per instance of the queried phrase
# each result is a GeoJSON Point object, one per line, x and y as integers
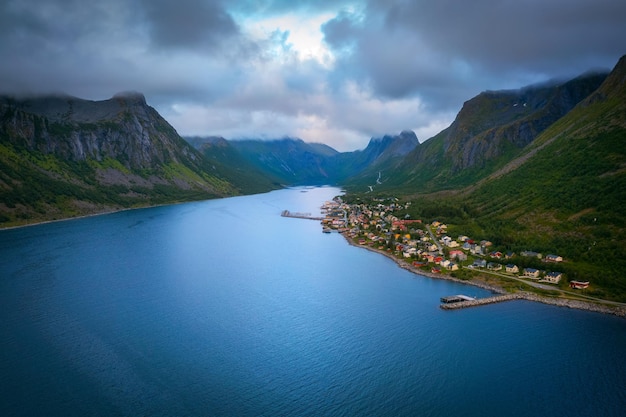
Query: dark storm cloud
{"type": "Point", "coordinates": [536, 35]}
{"type": "Point", "coordinates": [188, 23]}
{"type": "Point", "coordinates": [95, 49]}
{"type": "Point", "coordinates": [446, 50]}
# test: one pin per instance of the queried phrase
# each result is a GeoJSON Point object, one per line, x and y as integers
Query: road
{"type": "Point", "coordinates": [432, 236]}
{"type": "Point", "coordinates": [549, 287]}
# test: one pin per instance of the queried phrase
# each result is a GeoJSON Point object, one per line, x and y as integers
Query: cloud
{"type": "Point", "coordinates": [441, 51]}
{"type": "Point", "coordinates": [185, 24]}
{"type": "Point", "coordinates": [337, 72]}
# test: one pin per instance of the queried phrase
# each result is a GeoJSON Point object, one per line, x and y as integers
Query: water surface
{"type": "Point", "coordinates": [223, 307]}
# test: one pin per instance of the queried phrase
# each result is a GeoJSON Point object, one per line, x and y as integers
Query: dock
{"type": "Point", "coordinates": [458, 301]}
{"type": "Point", "coordinates": [287, 213]}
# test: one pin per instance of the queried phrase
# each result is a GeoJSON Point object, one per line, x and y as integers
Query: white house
{"type": "Point", "coordinates": [554, 258]}
{"type": "Point", "coordinates": [531, 273]}
{"type": "Point", "coordinates": [553, 277]}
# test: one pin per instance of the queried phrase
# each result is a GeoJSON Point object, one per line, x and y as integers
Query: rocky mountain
{"type": "Point", "coordinates": [561, 189]}
{"type": "Point", "coordinates": [567, 190]}
{"type": "Point", "coordinates": [62, 156]}
{"type": "Point", "coordinates": [290, 161]}
{"type": "Point", "coordinates": [489, 130]}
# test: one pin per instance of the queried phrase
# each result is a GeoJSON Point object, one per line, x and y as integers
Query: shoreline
{"type": "Point", "coordinates": [618, 311]}
{"type": "Point", "coordinates": [65, 219]}
{"type": "Point", "coordinates": [95, 214]}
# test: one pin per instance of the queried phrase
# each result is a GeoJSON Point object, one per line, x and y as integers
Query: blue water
{"type": "Point", "coordinates": [224, 308]}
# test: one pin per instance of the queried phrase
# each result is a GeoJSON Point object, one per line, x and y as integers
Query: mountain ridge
{"type": "Point", "coordinates": [61, 156]}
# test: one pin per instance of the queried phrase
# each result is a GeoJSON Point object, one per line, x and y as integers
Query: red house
{"type": "Point", "coordinates": [578, 285]}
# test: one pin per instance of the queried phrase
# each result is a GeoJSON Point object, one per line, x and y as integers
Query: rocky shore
{"type": "Point", "coordinates": [501, 295]}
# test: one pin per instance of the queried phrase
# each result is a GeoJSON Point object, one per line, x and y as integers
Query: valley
{"type": "Point", "coordinates": [538, 168]}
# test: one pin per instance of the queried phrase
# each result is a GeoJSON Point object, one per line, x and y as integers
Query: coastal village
{"type": "Point", "coordinates": [428, 247]}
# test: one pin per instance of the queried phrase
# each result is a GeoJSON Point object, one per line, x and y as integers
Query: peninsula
{"type": "Point", "coordinates": [427, 249]}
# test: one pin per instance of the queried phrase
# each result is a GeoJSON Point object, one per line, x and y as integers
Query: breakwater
{"type": "Point", "coordinates": [560, 302]}
{"type": "Point", "coordinates": [481, 301]}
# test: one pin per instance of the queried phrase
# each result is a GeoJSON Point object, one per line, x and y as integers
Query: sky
{"type": "Point", "coordinates": [328, 71]}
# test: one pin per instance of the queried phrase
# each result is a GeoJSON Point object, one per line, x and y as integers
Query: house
{"type": "Point", "coordinates": [429, 257]}
{"type": "Point", "coordinates": [531, 273]}
{"type": "Point", "coordinates": [496, 254]}
{"type": "Point", "coordinates": [419, 264]}
{"type": "Point", "coordinates": [477, 250]}
{"type": "Point", "coordinates": [511, 269]}
{"type": "Point", "coordinates": [494, 266]}
{"type": "Point", "coordinates": [452, 266]}
{"type": "Point", "coordinates": [530, 254]}
{"type": "Point", "coordinates": [578, 285]}
{"type": "Point", "coordinates": [554, 277]}
{"type": "Point", "coordinates": [479, 263]}
{"type": "Point", "coordinates": [554, 258]}
{"type": "Point", "coordinates": [459, 255]}
{"type": "Point", "coordinates": [449, 242]}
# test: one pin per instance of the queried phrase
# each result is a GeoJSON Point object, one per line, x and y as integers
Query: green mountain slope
{"type": "Point", "coordinates": [227, 162]}
{"type": "Point", "coordinates": [563, 193]}
{"type": "Point", "coordinates": [490, 130]}
{"type": "Point", "coordinates": [291, 161]}
{"type": "Point", "coordinates": [61, 156]}
{"type": "Point", "coordinates": [568, 191]}
{"type": "Point", "coordinates": [381, 154]}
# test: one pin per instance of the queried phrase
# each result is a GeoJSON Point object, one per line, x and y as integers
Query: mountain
{"type": "Point", "coordinates": [561, 190]}
{"type": "Point", "coordinates": [291, 161]}
{"type": "Point", "coordinates": [62, 156]}
{"type": "Point", "coordinates": [226, 160]}
{"type": "Point", "coordinates": [383, 153]}
{"type": "Point", "coordinates": [489, 130]}
{"type": "Point", "coordinates": [568, 190]}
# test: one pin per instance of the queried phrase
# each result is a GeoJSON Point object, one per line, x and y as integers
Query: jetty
{"type": "Point", "coordinates": [458, 301]}
{"type": "Point", "coordinates": [287, 213]}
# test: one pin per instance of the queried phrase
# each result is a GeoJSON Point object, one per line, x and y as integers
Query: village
{"type": "Point", "coordinates": [429, 248]}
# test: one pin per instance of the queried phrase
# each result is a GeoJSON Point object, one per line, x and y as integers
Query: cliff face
{"type": "Point", "coordinates": [123, 128]}
{"type": "Point", "coordinates": [493, 122]}
{"type": "Point", "coordinates": [62, 156]}
{"type": "Point", "coordinates": [490, 130]}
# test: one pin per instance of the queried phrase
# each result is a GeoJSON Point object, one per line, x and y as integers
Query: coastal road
{"type": "Point", "coordinates": [550, 288]}
{"type": "Point", "coordinates": [432, 236]}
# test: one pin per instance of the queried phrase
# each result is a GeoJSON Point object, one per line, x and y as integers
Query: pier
{"type": "Point", "coordinates": [287, 213]}
{"type": "Point", "coordinates": [456, 301]}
